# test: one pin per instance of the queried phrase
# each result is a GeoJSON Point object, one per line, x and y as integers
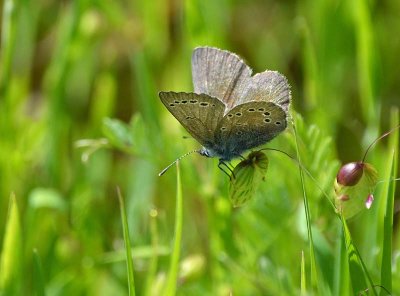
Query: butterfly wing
{"type": "Point", "coordinates": [250, 125]}
{"type": "Point", "coordinates": [268, 86]}
{"type": "Point", "coordinates": [224, 75]}
{"type": "Point", "coordinates": [219, 74]}
{"type": "Point", "coordinates": [199, 114]}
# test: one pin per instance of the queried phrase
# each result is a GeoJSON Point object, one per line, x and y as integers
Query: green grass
{"type": "Point", "coordinates": [80, 116]}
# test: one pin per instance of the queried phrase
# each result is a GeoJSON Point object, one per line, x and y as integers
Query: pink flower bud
{"type": "Point", "coordinates": [369, 201]}
{"type": "Point", "coordinates": [350, 173]}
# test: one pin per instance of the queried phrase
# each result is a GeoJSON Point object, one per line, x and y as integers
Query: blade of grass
{"type": "Point", "coordinates": [358, 271]}
{"type": "Point", "coordinates": [11, 260]}
{"type": "Point", "coordinates": [303, 275]}
{"type": "Point", "coordinates": [151, 274]}
{"type": "Point", "coordinates": [386, 269]}
{"type": "Point", "coordinates": [8, 37]}
{"type": "Point", "coordinates": [342, 278]}
{"type": "Point", "coordinates": [364, 33]}
{"type": "Point", "coordinates": [314, 275]}
{"type": "Point", "coordinates": [38, 278]}
{"type": "Point", "coordinates": [129, 262]}
{"type": "Point", "coordinates": [174, 261]}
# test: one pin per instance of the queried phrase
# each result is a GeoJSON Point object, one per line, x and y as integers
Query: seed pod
{"type": "Point", "coordinates": [353, 186]}
{"type": "Point", "coordinates": [350, 173]}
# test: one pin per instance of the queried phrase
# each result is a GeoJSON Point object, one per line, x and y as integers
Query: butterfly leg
{"type": "Point", "coordinates": [222, 164]}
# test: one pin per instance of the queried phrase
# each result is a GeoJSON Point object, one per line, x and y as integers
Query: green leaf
{"type": "Point", "coordinates": [118, 133]}
{"type": "Point", "coordinates": [47, 197]}
{"type": "Point", "coordinates": [247, 177]}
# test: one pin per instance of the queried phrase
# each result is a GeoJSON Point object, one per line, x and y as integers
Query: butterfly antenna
{"type": "Point", "coordinates": [179, 158]}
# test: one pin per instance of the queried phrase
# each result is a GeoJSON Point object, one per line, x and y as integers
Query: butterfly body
{"type": "Point", "coordinates": [230, 111]}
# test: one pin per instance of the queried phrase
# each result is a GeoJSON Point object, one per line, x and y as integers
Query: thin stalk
{"type": "Point", "coordinates": [174, 261]}
{"type": "Point", "coordinates": [129, 262]}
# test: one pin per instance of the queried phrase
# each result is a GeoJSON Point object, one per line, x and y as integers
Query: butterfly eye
{"type": "Point", "coordinates": [238, 114]}
{"type": "Point", "coordinates": [239, 133]}
{"type": "Point", "coordinates": [203, 104]}
{"type": "Point", "coordinates": [278, 123]}
{"type": "Point", "coordinates": [267, 120]}
{"type": "Point", "coordinates": [252, 110]}
{"type": "Point", "coordinates": [184, 102]}
{"type": "Point", "coordinates": [230, 115]}
{"type": "Point", "coordinates": [172, 105]}
{"type": "Point", "coordinates": [193, 101]}
{"type": "Point", "coordinates": [176, 102]}
{"type": "Point", "coordinates": [261, 109]}
{"type": "Point", "coordinates": [266, 113]}
{"type": "Point", "coordinates": [223, 128]}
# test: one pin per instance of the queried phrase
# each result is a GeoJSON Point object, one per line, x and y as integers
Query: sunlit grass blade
{"type": "Point", "coordinates": [303, 282]}
{"type": "Point", "coordinates": [11, 254]}
{"type": "Point", "coordinates": [174, 261]}
{"type": "Point", "coordinates": [386, 268]}
{"type": "Point", "coordinates": [129, 262]}
{"type": "Point", "coordinates": [38, 277]}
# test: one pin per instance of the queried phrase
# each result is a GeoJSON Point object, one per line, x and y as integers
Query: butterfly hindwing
{"type": "Point", "coordinates": [250, 125]}
{"type": "Point", "coordinates": [269, 86]}
{"type": "Point", "coordinates": [198, 113]}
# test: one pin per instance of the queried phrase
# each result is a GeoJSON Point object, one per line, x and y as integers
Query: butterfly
{"type": "Point", "coordinates": [230, 111]}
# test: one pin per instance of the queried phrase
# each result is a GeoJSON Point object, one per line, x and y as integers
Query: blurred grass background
{"type": "Point", "coordinates": [65, 66]}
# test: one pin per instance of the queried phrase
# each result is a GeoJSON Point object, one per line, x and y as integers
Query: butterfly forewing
{"type": "Point", "coordinates": [250, 125]}
{"type": "Point", "coordinates": [219, 73]}
{"type": "Point", "coordinates": [198, 113]}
